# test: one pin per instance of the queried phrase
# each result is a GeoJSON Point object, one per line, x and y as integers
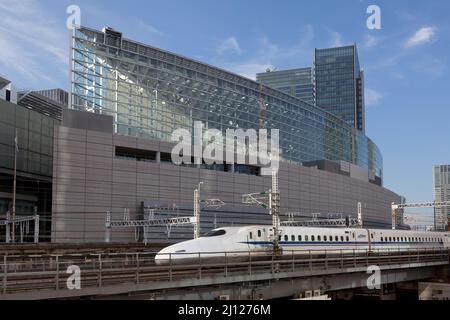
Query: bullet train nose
{"type": "Point", "coordinates": [175, 253]}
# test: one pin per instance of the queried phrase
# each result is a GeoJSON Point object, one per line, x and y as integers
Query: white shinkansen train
{"type": "Point", "coordinates": [240, 242]}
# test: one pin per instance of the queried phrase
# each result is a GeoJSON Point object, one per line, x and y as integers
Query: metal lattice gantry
{"type": "Point", "coordinates": [150, 221]}
{"type": "Point", "coordinates": [395, 207]}
{"type": "Point", "coordinates": [24, 227]}
{"type": "Point", "coordinates": [350, 222]}
{"type": "Point", "coordinates": [332, 220]}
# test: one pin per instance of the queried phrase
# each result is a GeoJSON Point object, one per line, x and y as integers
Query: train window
{"type": "Point", "coordinates": [293, 238]}
{"type": "Point", "coordinates": [336, 238]}
{"type": "Point", "coordinates": [250, 235]}
{"type": "Point", "coordinates": [342, 238]}
{"type": "Point", "coordinates": [299, 238]}
{"type": "Point", "coordinates": [390, 239]}
{"type": "Point", "coordinates": [313, 238]}
{"type": "Point", "coordinates": [318, 238]}
{"type": "Point", "coordinates": [216, 233]}
{"type": "Point", "coordinates": [306, 238]}
{"type": "Point", "coordinates": [348, 239]}
{"type": "Point", "coordinates": [279, 238]}
{"type": "Point", "coordinates": [286, 238]}
{"type": "Point", "coordinates": [381, 239]}
{"type": "Point", "coordinates": [371, 235]}
{"type": "Point", "coordinates": [401, 239]}
{"type": "Point", "coordinates": [259, 233]}
{"type": "Point", "coordinates": [398, 239]}
{"type": "Point", "coordinates": [325, 238]}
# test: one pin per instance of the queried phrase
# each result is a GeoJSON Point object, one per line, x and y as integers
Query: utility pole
{"type": "Point", "coordinates": [16, 149]}
{"type": "Point", "coordinates": [197, 203]}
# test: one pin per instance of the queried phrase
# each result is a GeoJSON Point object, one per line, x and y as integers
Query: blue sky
{"type": "Point", "coordinates": [407, 62]}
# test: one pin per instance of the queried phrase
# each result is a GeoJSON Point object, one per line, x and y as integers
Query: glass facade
{"type": "Point", "coordinates": [151, 92]}
{"type": "Point", "coordinates": [340, 84]}
{"type": "Point", "coordinates": [296, 82]}
{"type": "Point", "coordinates": [35, 140]}
{"type": "Point", "coordinates": [441, 191]}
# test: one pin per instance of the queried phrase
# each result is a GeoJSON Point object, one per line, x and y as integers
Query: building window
{"type": "Point", "coordinates": [166, 157]}
{"type": "Point", "coordinates": [135, 154]}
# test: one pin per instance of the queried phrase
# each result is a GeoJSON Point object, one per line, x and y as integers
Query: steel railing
{"type": "Point", "coordinates": [38, 272]}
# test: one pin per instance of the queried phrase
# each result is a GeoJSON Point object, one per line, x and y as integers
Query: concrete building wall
{"type": "Point", "coordinates": [89, 180]}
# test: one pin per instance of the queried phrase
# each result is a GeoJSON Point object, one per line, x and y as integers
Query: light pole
{"type": "Point", "coordinates": [16, 147]}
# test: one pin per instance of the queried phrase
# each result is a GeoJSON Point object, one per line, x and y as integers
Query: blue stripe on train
{"type": "Point", "coordinates": [287, 243]}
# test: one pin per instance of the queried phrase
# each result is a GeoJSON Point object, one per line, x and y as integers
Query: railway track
{"type": "Point", "coordinates": [49, 272]}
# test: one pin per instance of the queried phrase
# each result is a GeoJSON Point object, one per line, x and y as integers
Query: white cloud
{"type": "Point", "coordinates": [433, 67]}
{"type": "Point", "coordinates": [230, 44]}
{"type": "Point", "coordinates": [249, 70]}
{"type": "Point", "coordinates": [29, 39]}
{"type": "Point", "coordinates": [422, 36]}
{"type": "Point", "coordinates": [370, 41]}
{"type": "Point", "coordinates": [268, 54]}
{"type": "Point", "coordinates": [150, 29]}
{"type": "Point", "coordinates": [373, 97]}
{"type": "Point", "coordinates": [336, 39]}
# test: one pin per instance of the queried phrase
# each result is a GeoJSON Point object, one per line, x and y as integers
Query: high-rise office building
{"type": "Point", "coordinates": [441, 191]}
{"type": "Point", "coordinates": [339, 84]}
{"type": "Point", "coordinates": [296, 82]}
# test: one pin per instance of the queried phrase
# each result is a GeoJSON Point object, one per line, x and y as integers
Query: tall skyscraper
{"type": "Point", "coordinates": [441, 191]}
{"type": "Point", "coordinates": [339, 84]}
{"type": "Point", "coordinates": [296, 82]}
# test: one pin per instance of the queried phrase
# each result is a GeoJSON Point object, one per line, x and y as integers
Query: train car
{"type": "Point", "coordinates": [252, 242]}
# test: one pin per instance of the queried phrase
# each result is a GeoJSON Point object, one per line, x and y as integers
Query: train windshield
{"type": "Point", "coordinates": [215, 233]}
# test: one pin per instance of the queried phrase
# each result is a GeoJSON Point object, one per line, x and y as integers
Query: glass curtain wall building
{"type": "Point", "coordinates": [339, 84]}
{"type": "Point", "coordinates": [441, 191]}
{"type": "Point", "coordinates": [296, 82]}
{"type": "Point", "coordinates": [150, 93]}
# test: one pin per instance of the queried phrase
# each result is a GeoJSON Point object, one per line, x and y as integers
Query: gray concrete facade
{"type": "Point", "coordinates": [89, 180]}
